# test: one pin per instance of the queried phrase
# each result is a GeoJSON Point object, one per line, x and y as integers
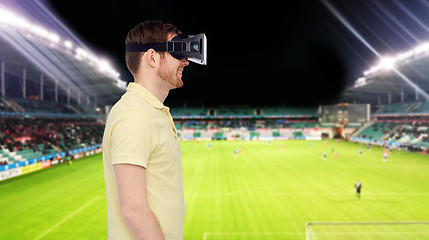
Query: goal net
{"type": "Point", "coordinates": [367, 230]}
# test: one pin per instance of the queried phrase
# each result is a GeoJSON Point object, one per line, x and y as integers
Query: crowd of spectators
{"type": "Point", "coordinates": [414, 130]}
{"type": "Point", "coordinates": [42, 135]}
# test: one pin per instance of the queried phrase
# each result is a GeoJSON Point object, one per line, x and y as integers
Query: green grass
{"type": "Point", "coordinates": [266, 192]}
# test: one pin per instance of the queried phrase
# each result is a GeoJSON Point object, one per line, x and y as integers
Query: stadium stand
{"type": "Point", "coordinates": [36, 108]}
{"type": "Point", "coordinates": [421, 107]}
{"type": "Point", "coordinates": [270, 111]}
{"type": "Point", "coordinates": [22, 139]}
{"type": "Point", "coordinates": [51, 88]}
{"type": "Point", "coordinates": [403, 125]}
{"type": "Point", "coordinates": [377, 130]}
{"type": "Point", "coordinates": [243, 122]}
{"type": "Point", "coordinates": [188, 112]}
{"type": "Point", "coordinates": [408, 108]}
{"type": "Point", "coordinates": [396, 108]}
{"type": "Point", "coordinates": [411, 134]}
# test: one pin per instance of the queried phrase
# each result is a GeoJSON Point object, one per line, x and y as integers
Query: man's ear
{"type": "Point", "coordinates": [152, 58]}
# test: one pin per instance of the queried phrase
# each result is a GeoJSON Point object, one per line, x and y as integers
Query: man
{"type": "Point", "coordinates": [325, 155]}
{"type": "Point", "coordinates": [141, 152]}
{"type": "Point", "coordinates": [385, 155]}
{"type": "Point", "coordinates": [358, 187]}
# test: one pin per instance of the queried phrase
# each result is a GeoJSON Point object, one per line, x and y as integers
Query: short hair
{"type": "Point", "coordinates": [147, 32]}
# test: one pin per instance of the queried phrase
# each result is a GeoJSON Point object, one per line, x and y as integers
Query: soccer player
{"type": "Point", "coordinates": [335, 155]}
{"type": "Point", "coordinates": [141, 152]}
{"type": "Point", "coordinates": [360, 152]}
{"type": "Point", "coordinates": [325, 154]}
{"type": "Point", "coordinates": [68, 159]}
{"type": "Point", "coordinates": [385, 155]}
{"type": "Point", "coordinates": [235, 153]}
{"type": "Point", "coordinates": [358, 187]}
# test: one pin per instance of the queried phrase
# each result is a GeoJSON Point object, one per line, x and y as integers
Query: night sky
{"type": "Point", "coordinates": [260, 53]}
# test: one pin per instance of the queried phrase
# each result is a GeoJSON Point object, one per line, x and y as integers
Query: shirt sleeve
{"type": "Point", "coordinates": [132, 139]}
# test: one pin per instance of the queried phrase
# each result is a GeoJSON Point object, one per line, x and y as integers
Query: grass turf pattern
{"type": "Point", "coordinates": [264, 192]}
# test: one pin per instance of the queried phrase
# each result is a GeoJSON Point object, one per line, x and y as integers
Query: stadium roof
{"type": "Point", "coordinates": [32, 38]}
{"type": "Point", "coordinates": [405, 77]}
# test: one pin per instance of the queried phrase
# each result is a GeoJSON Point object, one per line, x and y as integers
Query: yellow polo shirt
{"type": "Point", "coordinates": [141, 131]}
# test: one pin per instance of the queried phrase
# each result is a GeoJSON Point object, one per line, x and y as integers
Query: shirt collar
{"type": "Point", "coordinates": [146, 95]}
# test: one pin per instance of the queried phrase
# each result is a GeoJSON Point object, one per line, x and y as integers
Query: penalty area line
{"type": "Point", "coordinates": [68, 217]}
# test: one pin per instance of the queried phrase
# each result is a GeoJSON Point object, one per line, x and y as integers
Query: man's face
{"type": "Point", "coordinates": [171, 69]}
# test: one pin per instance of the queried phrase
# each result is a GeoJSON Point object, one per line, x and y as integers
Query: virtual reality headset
{"type": "Point", "coordinates": [192, 47]}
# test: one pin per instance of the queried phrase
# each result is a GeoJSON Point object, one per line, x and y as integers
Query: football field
{"type": "Point", "coordinates": [265, 191]}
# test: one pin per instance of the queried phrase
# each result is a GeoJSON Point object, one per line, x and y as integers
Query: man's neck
{"type": "Point", "coordinates": [158, 90]}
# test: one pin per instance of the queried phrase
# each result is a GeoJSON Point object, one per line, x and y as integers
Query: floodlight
{"type": "Point", "coordinates": [422, 48]}
{"type": "Point", "coordinates": [405, 55]}
{"type": "Point", "coordinates": [360, 82]}
{"type": "Point", "coordinates": [387, 63]}
{"type": "Point", "coordinates": [103, 65]}
{"type": "Point", "coordinates": [68, 44]}
{"type": "Point", "coordinates": [14, 22]}
{"type": "Point", "coordinates": [54, 38]}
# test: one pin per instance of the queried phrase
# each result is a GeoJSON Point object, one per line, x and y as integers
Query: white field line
{"type": "Point", "coordinates": [366, 233]}
{"type": "Point", "coordinates": [279, 193]}
{"type": "Point", "coordinates": [69, 216]}
{"type": "Point", "coordinates": [207, 234]}
{"type": "Point", "coordinates": [312, 235]}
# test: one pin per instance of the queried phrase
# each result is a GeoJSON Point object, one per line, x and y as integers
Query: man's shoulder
{"type": "Point", "coordinates": [128, 112]}
{"type": "Point", "coordinates": [129, 104]}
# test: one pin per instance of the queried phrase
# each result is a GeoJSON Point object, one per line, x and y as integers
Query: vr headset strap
{"type": "Point", "coordinates": [157, 46]}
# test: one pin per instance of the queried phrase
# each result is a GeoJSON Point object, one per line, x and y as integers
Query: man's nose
{"type": "Point", "coordinates": [185, 61]}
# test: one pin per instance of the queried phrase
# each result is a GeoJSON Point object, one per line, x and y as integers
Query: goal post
{"type": "Point", "coordinates": [367, 230]}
